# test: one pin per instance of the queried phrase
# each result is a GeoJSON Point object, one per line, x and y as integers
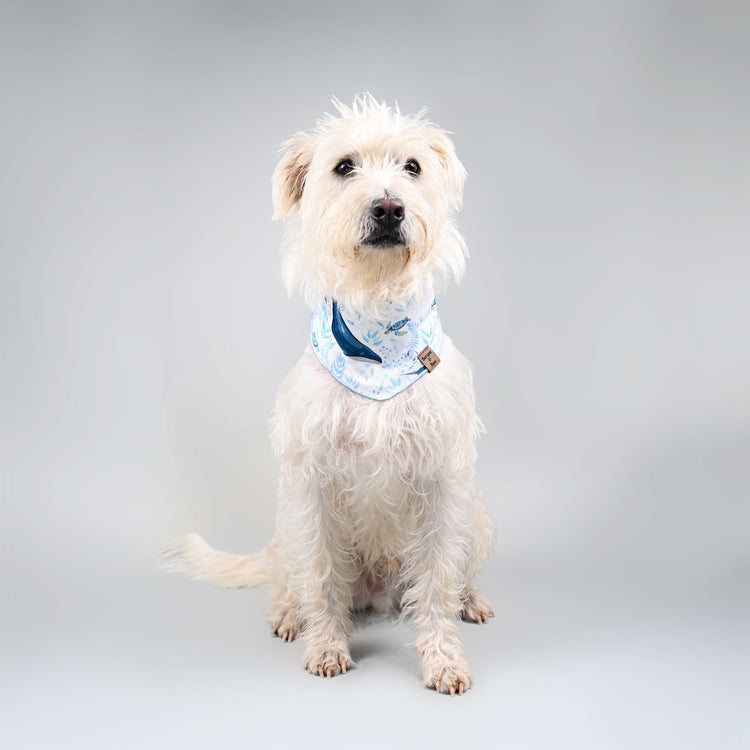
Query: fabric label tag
{"type": "Point", "coordinates": [428, 358]}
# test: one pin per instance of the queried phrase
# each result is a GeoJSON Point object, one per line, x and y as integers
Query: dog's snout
{"type": "Point", "coordinates": [387, 212]}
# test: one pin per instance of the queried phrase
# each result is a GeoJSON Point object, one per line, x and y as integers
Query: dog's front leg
{"type": "Point", "coordinates": [433, 600]}
{"type": "Point", "coordinates": [438, 645]}
{"type": "Point", "coordinates": [326, 570]}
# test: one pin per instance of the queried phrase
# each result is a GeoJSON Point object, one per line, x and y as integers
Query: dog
{"type": "Point", "coordinates": [375, 428]}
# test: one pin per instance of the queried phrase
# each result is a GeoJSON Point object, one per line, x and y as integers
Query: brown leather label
{"type": "Point", "coordinates": [428, 358]}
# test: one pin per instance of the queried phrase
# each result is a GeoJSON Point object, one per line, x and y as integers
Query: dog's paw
{"type": "Point", "coordinates": [451, 678]}
{"type": "Point", "coordinates": [328, 662]}
{"type": "Point", "coordinates": [476, 608]}
{"type": "Point", "coordinates": [286, 624]}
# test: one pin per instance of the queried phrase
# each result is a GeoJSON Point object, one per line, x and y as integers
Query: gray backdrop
{"type": "Point", "coordinates": [144, 331]}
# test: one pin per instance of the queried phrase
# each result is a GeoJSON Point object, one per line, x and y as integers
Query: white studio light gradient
{"type": "Point", "coordinates": [144, 331]}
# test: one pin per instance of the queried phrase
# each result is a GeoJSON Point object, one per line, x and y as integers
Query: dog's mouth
{"type": "Point", "coordinates": [384, 238]}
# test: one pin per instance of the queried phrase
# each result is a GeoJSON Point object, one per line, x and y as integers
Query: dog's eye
{"type": "Point", "coordinates": [412, 167]}
{"type": "Point", "coordinates": [344, 167]}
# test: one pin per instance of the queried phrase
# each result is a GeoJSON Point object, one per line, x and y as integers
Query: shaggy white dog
{"type": "Point", "coordinates": [375, 427]}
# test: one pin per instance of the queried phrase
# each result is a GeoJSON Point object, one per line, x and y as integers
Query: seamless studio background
{"type": "Point", "coordinates": [144, 332]}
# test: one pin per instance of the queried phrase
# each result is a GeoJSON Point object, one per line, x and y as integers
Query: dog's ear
{"type": "Point", "coordinates": [289, 176]}
{"type": "Point", "coordinates": [455, 173]}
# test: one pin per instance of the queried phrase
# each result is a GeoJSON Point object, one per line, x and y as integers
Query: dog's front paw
{"type": "Point", "coordinates": [328, 662]}
{"type": "Point", "coordinates": [476, 608]}
{"type": "Point", "coordinates": [447, 677]}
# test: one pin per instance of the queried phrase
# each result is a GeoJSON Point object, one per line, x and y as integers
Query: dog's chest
{"type": "Point", "coordinates": [379, 464]}
{"type": "Point", "coordinates": [385, 460]}
{"type": "Point", "coordinates": [361, 445]}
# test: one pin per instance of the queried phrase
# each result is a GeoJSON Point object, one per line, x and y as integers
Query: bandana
{"type": "Point", "coordinates": [377, 357]}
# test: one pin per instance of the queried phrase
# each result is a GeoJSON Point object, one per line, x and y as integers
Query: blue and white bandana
{"type": "Point", "coordinates": [377, 357]}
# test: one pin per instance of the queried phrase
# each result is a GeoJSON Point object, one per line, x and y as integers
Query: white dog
{"type": "Point", "coordinates": [375, 427]}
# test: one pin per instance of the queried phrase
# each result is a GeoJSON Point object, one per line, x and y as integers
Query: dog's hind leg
{"type": "Point", "coordinates": [285, 621]}
{"type": "Point", "coordinates": [474, 606]}
{"type": "Point", "coordinates": [285, 618]}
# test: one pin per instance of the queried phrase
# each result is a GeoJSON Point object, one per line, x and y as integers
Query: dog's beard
{"type": "Point", "coordinates": [385, 258]}
{"type": "Point", "coordinates": [383, 253]}
{"type": "Point", "coordinates": [380, 271]}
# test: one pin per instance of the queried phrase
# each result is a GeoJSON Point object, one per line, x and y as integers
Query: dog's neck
{"type": "Point", "coordinates": [381, 356]}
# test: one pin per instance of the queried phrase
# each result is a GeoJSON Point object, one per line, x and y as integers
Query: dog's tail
{"type": "Point", "coordinates": [193, 556]}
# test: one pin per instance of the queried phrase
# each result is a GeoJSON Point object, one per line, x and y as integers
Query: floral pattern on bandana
{"type": "Point", "coordinates": [375, 357]}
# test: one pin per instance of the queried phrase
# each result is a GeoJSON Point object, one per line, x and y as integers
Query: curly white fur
{"type": "Point", "coordinates": [378, 502]}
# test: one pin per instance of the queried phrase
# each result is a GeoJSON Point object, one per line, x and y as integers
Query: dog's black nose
{"type": "Point", "coordinates": [387, 212]}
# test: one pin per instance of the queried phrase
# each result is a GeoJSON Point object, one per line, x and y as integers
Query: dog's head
{"type": "Point", "coordinates": [370, 195]}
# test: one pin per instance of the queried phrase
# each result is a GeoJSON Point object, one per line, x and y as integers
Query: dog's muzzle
{"type": "Point", "coordinates": [385, 223]}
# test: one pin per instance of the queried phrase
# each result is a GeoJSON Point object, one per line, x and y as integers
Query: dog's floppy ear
{"type": "Point", "coordinates": [442, 145]}
{"type": "Point", "coordinates": [289, 176]}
